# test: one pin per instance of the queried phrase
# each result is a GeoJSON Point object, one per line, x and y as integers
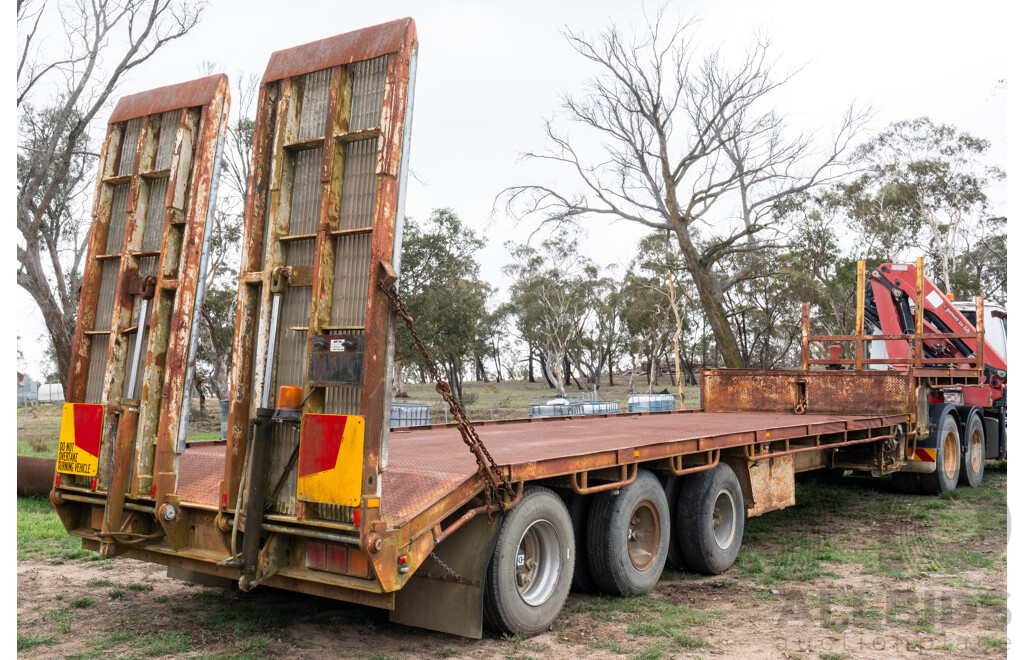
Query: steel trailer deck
{"type": "Point", "coordinates": [428, 463]}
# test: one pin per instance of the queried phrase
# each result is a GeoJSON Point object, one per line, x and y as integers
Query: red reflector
{"type": "Point", "coordinates": [355, 516]}
{"type": "Point", "coordinates": [93, 484]}
{"type": "Point", "coordinates": [57, 482]}
{"type": "Point", "coordinates": [403, 558]}
{"type": "Point", "coordinates": [224, 500]}
{"type": "Point", "coordinates": [152, 491]}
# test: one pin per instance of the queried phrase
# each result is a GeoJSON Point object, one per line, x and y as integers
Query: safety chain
{"type": "Point", "coordinates": [497, 481]}
{"type": "Point", "coordinates": [446, 567]}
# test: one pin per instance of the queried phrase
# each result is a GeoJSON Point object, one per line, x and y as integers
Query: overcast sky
{"type": "Point", "coordinates": [489, 73]}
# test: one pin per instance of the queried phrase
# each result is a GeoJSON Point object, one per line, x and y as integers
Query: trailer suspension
{"type": "Point", "coordinates": [499, 486]}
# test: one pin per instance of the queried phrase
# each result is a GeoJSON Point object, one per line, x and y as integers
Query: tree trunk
{"type": "Point", "coordinates": [529, 352]}
{"type": "Point", "coordinates": [711, 297]}
{"type": "Point", "coordinates": [552, 373]}
{"type": "Point", "coordinates": [544, 370]}
{"type": "Point", "coordinates": [401, 391]}
{"type": "Point", "coordinates": [675, 338]}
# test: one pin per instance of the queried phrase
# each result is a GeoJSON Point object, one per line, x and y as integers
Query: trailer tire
{"type": "Point", "coordinates": [710, 520]}
{"type": "Point", "coordinates": [907, 482]}
{"type": "Point", "coordinates": [520, 598]}
{"type": "Point", "coordinates": [579, 511]}
{"type": "Point", "coordinates": [673, 486]}
{"type": "Point", "coordinates": [972, 462]}
{"type": "Point", "coordinates": [628, 535]}
{"type": "Point", "coordinates": [947, 459]}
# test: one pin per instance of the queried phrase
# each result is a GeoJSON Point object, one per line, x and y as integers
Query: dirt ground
{"type": "Point", "coordinates": [855, 570]}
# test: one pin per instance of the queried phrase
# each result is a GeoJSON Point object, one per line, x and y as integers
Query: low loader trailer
{"type": "Point", "coordinates": [451, 526]}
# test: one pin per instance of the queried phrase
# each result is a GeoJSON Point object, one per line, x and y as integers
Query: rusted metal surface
{"type": "Point", "coordinates": [323, 206]}
{"type": "Point", "coordinates": [200, 470]}
{"type": "Point", "coordinates": [364, 44]}
{"type": "Point", "coordinates": [171, 97]}
{"type": "Point", "coordinates": [155, 174]}
{"type": "Point", "coordinates": [35, 475]}
{"type": "Point", "coordinates": [840, 392]}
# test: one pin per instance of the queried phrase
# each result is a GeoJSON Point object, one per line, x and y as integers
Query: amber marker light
{"type": "Point", "coordinates": [289, 402]}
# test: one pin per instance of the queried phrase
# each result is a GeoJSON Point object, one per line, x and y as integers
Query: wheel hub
{"type": "Point", "coordinates": [643, 536]}
{"type": "Point", "coordinates": [977, 451]}
{"type": "Point", "coordinates": [538, 562]}
{"type": "Point", "coordinates": [949, 455]}
{"type": "Point", "coordinates": [723, 519]}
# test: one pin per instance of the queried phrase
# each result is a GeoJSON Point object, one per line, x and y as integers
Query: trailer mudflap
{"type": "Point", "coordinates": [446, 593]}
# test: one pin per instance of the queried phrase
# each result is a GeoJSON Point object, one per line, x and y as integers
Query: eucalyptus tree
{"type": "Point", "coordinates": [688, 144]}
{"type": "Point", "coordinates": [441, 286]}
{"type": "Point", "coordinates": [64, 81]}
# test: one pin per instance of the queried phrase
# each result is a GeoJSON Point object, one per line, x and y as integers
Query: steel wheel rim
{"type": "Point", "coordinates": [976, 455]}
{"type": "Point", "coordinates": [643, 535]}
{"type": "Point", "coordinates": [538, 562]}
{"type": "Point", "coordinates": [723, 519]}
{"type": "Point", "coordinates": [949, 454]}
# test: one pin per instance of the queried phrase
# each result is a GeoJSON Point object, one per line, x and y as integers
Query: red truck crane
{"type": "Point", "coordinates": [977, 411]}
{"type": "Point", "coordinates": [448, 526]}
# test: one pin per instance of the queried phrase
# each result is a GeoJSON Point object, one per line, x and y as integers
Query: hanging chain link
{"type": "Point", "coordinates": [496, 479]}
{"type": "Point", "coordinates": [446, 567]}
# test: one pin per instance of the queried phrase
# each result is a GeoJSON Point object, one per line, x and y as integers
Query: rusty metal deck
{"type": "Point", "coordinates": [425, 464]}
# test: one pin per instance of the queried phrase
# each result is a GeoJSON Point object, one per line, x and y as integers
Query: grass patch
{"type": "Point", "coordinates": [243, 618]}
{"type": "Point", "coordinates": [41, 534]}
{"type": "Point", "coordinates": [26, 642]}
{"type": "Point", "coordinates": [253, 648]}
{"type": "Point", "coordinates": [82, 601]}
{"type": "Point", "coordinates": [62, 618]}
{"type": "Point", "coordinates": [100, 582]}
{"type": "Point", "coordinates": [990, 642]}
{"type": "Point", "coordinates": [137, 586]}
{"type": "Point", "coordinates": [114, 594]}
{"type": "Point", "coordinates": [608, 646]}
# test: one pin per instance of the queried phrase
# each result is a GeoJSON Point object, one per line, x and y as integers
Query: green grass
{"type": "Point", "coordinates": [929, 535]}
{"type": "Point", "coordinates": [114, 594]}
{"type": "Point", "coordinates": [245, 618]}
{"type": "Point", "coordinates": [990, 642]}
{"type": "Point", "coordinates": [26, 642]}
{"type": "Point", "coordinates": [136, 586]}
{"type": "Point", "coordinates": [608, 646]}
{"type": "Point", "coordinates": [165, 643]}
{"type": "Point", "coordinates": [41, 534]}
{"type": "Point", "coordinates": [82, 601]}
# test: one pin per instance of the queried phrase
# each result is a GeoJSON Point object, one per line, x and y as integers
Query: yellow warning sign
{"type": "Point", "coordinates": [81, 425]}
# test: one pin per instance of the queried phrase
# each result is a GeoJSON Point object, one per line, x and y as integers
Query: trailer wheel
{"type": "Point", "coordinates": [627, 537]}
{"type": "Point", "coordinates": [710, 520]}
{"type": "Point", "coordinates": [531, 570]}
{"type": "Point", "coordinates": [947, 459]}
{"type": "Point", "coordinates": [972, 462]}
{"type": "Point", "coordinates": [579, 511]}
{"type": "Point", "coordinates": [673, 485]}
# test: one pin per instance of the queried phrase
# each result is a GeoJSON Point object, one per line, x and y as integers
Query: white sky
{"type": "Point", "coordinates": [490, 72]}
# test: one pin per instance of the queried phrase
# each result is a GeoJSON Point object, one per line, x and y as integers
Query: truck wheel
{"type": "Point", "coordinates": [579, 511]}
{"type": "Point", "coordinates": [947, 460]}
{"type": "Point", "coordinates": [627, 537]}
{"type": "Point", "coordinates": [675, 553]}
{"type": "Point", "coordinates": [972, 462]}
{"type": "Point", "coordinates": [710, 520]}
{"type": "Point", "coordinates": [531, 569]}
